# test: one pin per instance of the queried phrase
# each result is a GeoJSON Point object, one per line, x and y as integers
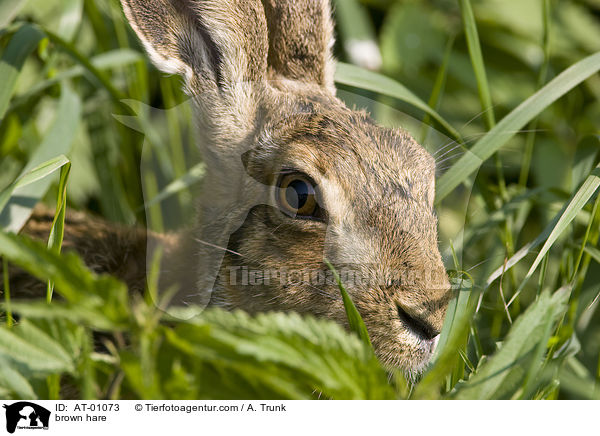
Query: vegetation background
{"type": "Point", "coordinates": [505, 93]}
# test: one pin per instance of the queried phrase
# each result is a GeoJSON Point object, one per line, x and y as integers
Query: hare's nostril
{"type": "Point", "coordinates": [417, 325]}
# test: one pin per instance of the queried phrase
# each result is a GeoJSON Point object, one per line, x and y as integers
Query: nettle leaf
{"type": "Point", "coordinates": [502, 375]}
{"type": "Point", "coordinates": [278, 355]}
{"type": "Point", "coordinates": [102, 300]}
{"type": "Point", "coordinates": [34, 349]}
{"type": "Point", "coordinates": [13, 384]}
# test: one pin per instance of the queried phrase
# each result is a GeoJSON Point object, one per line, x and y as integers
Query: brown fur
{"type": "Point", "coordinates": [260, 75]}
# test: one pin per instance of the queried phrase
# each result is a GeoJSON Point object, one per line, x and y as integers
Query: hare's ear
{"type": "Point", "coordinates": [301, 40]}
{"type": "Point", "coordinates": [211, 43]}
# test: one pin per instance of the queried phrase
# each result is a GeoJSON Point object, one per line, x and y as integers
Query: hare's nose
{"type": "Point", "coordinates": [417, 324]}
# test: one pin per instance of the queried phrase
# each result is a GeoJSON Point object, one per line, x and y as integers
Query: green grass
{"type": "Point", "coordinates": [517, 199]}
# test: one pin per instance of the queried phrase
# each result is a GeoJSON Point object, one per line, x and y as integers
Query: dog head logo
{"type": "Point", "coordinates": [26, 415]}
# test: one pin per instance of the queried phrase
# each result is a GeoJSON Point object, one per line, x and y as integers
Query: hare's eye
{"type": "Point", "coordinates": [296, 196]}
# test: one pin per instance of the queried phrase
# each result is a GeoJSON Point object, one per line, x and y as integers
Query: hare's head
{"type": "Point", "coordinates": [295, 178]}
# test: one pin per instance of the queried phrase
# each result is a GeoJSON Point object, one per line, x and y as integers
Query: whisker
{"type": "Point", "coordinates": [448, 149]}
{"type": "Point", "coordinates": [448, 144]}
{"type": "Point", "coordinates": [479, 264]}
{"type": "Point", "coordinates": [220, 248]}
{"type": "Point", "coordinates": [450, 157]}
{"type": "Point", "coordinates": [447, 152]}
{"type": "Point", "coordinates": [478, 115]}
{"type": "Point", "coordinates": [467, 140]}
{"type": "Point", "coordinates": [442, 169]}
{"type": "Point", "coordinates": [321, 292]}
{"type": "Point", "coordinates": [471, 138]}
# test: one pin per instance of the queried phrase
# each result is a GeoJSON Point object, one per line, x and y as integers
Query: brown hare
{"type": "Point", "coordinates": [294, 178]}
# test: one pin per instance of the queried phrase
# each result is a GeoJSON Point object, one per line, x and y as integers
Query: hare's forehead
{"type": "Point", "coordinates": [331, 130]}
{"type": "Point", "coordinates": [353, 155]}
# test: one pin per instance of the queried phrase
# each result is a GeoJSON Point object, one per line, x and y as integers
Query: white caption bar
{"type": "Point", "coordinates": [297, 417]}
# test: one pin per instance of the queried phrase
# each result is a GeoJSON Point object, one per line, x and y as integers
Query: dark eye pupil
{"type": "Point", "coordinates": [296, 194]}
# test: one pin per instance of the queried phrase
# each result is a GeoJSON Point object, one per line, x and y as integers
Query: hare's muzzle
{"type": "Point", "coordinates": [419, 325]}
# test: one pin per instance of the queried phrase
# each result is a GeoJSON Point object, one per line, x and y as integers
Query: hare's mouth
{"type": "Point", "coordinates": [426, 347]}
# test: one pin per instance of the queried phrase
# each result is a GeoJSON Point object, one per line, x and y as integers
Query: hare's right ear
{"type": "Point", "coordinates": [211, 43]}
{"type": "Point", "coordinates": [301, 40]}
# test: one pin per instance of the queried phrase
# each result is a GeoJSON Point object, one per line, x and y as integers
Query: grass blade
{"type": "Point", "coordinates": [357, 325]}
{"type": "Point", "coordinates": [501, 376]}
{"type": "Point", "coordinates": [438, 87]}
{"type": "Point", "coordinates": [552, 229]}
{"type": "Point", "coordinates": [579, 200]}
{"type": "Point", "coordinates": [57, 230]}
{"type": "Point", "coordinates": [352, 75]}
{"type": "Point", "coordinates": [6, 292]}
{"type": "Point", "coordinates": [593, 252]}
{"type": "Point", "coordinates": [104, 61]}
{"type": "Point", "coordinates": [85, 63]}
{"type": "Point", "coordinates": [477, 62]}
{"type": "Point", "coordinates": [514, 121]}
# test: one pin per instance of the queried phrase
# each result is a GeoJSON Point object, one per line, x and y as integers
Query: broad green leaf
{"type": "Point", "coordinates": [37, 173]}
{"type": "Point", "coordinates": [39, 338]}
{"type": "Point", "coordinates": [457, 308]}
{"type": "Point", "coordinates": [501, 376]}
{"type": "Point", "coordinates": [35, 356]}
{"type": "Point", "coordinates": [14, 381]}
{"type": "Point", "coordinates": [278, 355]}
{"type": "Point", "coordinates": [352, 75]}
{"type": "Point", "coordinates": [24, 41]}
{"type": "Point", "coordinates": [514, 121]}
{"type": "Point", "coordinates": [575, 379]}
{"type": "Point", "coordinates": [101, 298]}
{"type": "Point", "coordinates": [77, 313]}
{"type": "Point", "coordinates": [57, 141]}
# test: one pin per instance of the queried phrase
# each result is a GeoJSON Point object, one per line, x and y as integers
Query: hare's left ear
{"type": "Point", "coordinates": [214, 44]}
